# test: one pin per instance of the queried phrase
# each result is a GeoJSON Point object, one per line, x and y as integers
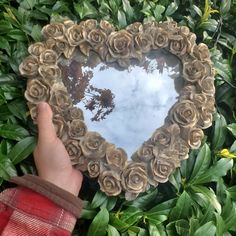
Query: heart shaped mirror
{"type": "Point", "coordinates": [128, 104]}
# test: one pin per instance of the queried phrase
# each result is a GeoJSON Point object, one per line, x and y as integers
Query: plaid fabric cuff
{"type": "Point", "coordinates": [36, 207]}
{"type": "Point", "coordinates": [59, 196]}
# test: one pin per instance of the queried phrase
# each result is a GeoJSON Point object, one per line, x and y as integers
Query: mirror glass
{"type": "Point", "coordinates": [125, 105]}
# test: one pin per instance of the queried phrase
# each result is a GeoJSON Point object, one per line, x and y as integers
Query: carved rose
{"type": "Point", "coordinates": [195, 136]}
{"type": "Point", "coordinates": [37, 91]}
{"type": "Point", "coordinates": [94, 169]}
{"type": "Point", "coordinates": [210, 103]}
{"type": "Point", "coordinates": [120, 44]}
{"type": "Point", "coordinates": [206, 84]}
{"type": "Point", "coordinates": [29, 67]}
{"type": "Point", "coordinates": [59, 125]}
{"type": "Point", "coordinates": [183, 149]}
{"type": "Point", "coordinates": [143, 42]}
{"type": "Point", "coordinates": [135, 28]}
{"type": "Point", "coordinates": [54, 30]}
{"type": "Point", "coordinates": [116, 156]}
{"type": "Point", "coordinates": [184, 113]}
{"type": "Point", "coordinates": [193, 71]}
{"type": "Point", "coordinates": [178, 45]}
{"type": "Point", "coordinates": [74, 151]}
{"type": "Point", "coordinates": [36, 49]}
{"type": "Point", "coordinates": [93, 145]}
{"type": "Point", "coordinates": [50, 72]}
{"type": "Point", "coordinates": [145, 153]}
{"type": "Point", "coordinates": [161, 38]}
{"type": "Point", "coordinates": [76, 35]}
{"type": "Point", "coordinates": [60, 98]}
{"type": "Point", "coordinates": [106, 27]}
{"type": "Point", "coordinates": [164, 136]}
{"type": "Point", "coordinates": [206, 118]}
{"type": "Point", "coordinates": [134, 178]}
{"type": "Point", "coordinates": [89, 24]}
{"type": "Point", "coordinates": [161, 169]}
{"type": "Point", "coordinates": [48, 57]}
{"type": "Point", "coordinates": [96, 38]}
{"type": "Point", "coordinates": [33, 111]}
{"type": "Point", "coordinates": [199, 100]}
{"type": "Point", "coordinates": [81, 163]}
{"type": "Point", "coordinates": [109, 182]}
{"type": "Point", "coordinates": [201, 51]}
{"type": "Point", "coordinates": [77, 129]}
{"type": "Point", "coordinates": [74, 113]}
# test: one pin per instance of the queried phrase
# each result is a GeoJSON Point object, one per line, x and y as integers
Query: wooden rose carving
{"type": "Point", "coordinates": [162, 153]}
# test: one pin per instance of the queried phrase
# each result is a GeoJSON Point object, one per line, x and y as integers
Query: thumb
{"type": "Point", "coordinates": [46, 131]}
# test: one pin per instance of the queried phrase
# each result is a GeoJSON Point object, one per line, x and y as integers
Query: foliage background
{"type": "Point", "coordinates": [200, 198]}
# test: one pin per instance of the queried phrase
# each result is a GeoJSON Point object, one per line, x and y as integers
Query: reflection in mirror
{"type": "Point", "coordinates": [124, 105]}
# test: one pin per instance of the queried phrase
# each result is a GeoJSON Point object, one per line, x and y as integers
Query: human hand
{"type": "Point", "coordinates": [51, 158]}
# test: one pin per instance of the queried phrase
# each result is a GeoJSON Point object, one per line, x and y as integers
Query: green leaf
{"type": "Point", "coordinates": [182, 208]}
{"type": "Point", "coordinates": [128, 9]}
{"type": "Point", "coordinates": [210, 25]}
{"type": "Point", "coordinates": [121, 19]}
{"type": "Point", "coordinates": [225, 7]}
{"type": "Point", "coordinates": [171, 9]}
{"type": "Point", "coordinates": [7, 169]}
{"type": "Point", "coordinates": [220, 225]}
{"type": "Point", "coordinates": [209, 195]}
{"type": "Point", "coordinates": [219, 169]}
{"type": "Point", "coordinates": [5, 27]}
{"type": "Point", "coordinates": [163, 208]}
{"type": "Point", "coordinates": [131, 215]}
{"type": "Point", "coordinates": [36, 33]}
{"type": "Point", "coordinates": [232, 128]}
{"type": "Point", "coordinates": [18, 108]}
{"type": "Point", "coordinates": [22, 150]}
{"type": "Point", "coordinates": [4, 44]}
{"type": "Point", "coordinates": [118, 224]}
{"type": "Point", "coordinates": [182, 227]}
{"type": "Point", "coordinates": [219, 131]}
{"type": "Point", "coordinates": [98, 199]}
{"type": "Point", "coordinates": [202, 162]}
{"type": "Point", "coordinates": [85, 9]}
{"type": "Point", "coordinates": [99, 224]}
{"type": "Point", "coordinates": [232, 192]}
{"type": "Point", "coordinates": [159, 9]}
{"type": "Point", "coordinates": [208, 229]}
{"type": "Point", "coordinates": [4, 112]}
{"type": "Point", "coordinates": [143, 201]}
{"type": "Point", "coordinates": [112, 231]}
{"type": "Point", "coordinates": [28, 4]}
{"type": "Point", "coordinates": [13, 131]}
{"type": "Point", "coordinates": [153, 230]}
{"type": "Point", "coordinates": [17, 35]}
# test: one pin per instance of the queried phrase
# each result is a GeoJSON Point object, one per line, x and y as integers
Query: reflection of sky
{"type": "Point", "coordinates": [142, 101]}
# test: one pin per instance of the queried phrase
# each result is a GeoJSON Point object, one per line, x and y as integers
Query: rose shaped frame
{"type": "Point", "coordinates": [162, 153]}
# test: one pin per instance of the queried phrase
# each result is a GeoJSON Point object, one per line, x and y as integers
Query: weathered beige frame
{"type": "Point", "coordinates": [158, 157]}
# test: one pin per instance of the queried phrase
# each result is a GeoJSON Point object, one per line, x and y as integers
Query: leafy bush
{"type": "Point", "coordinates": [200, 197]}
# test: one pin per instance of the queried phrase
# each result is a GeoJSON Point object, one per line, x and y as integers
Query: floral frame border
{"type": "Point", "coordinates": [160, 155]}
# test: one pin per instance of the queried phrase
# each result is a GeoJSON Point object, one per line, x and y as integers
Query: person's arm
{"type": "Point", "coordinates": [46, 204]}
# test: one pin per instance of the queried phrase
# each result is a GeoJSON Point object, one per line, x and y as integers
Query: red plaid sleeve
{"type": "Point", "coordinates": [24, 212]}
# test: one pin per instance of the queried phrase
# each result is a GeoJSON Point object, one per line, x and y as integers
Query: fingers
{"type": "Point", "coordinates": [46, 129]}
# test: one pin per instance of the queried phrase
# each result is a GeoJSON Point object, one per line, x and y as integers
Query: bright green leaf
{"type": "Point", "coordinates": [232, 128]}
{"type": "Point", "coordinates": [219, 132]}
{"type": "Point", "coordinates": [202, 162]}
{"type": "Point", "coordinates": [13, 131]}
{"type": "Point", "coordinates": [112, 231]}
{"type": "Point", "coordinates": [208, 229]}
{"type": "Point", "coordinates": [22, 150]}
{"type": "Point", "coordinates": [99, 225]}
{"type": "Point", "coordinates": [171, 9]}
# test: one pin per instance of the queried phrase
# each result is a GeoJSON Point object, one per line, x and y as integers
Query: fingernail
{"type": "Point", "coordinates": [42, 106]}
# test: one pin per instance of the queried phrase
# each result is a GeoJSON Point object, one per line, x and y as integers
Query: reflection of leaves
{"type": "Point", "coordinates": [101, 101]}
